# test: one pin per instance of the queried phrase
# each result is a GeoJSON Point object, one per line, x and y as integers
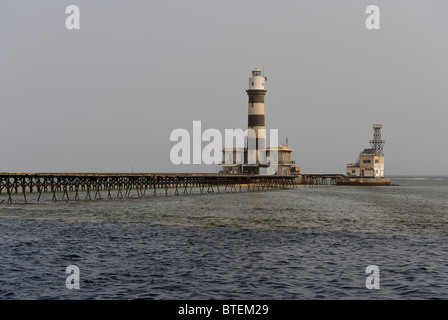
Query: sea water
{"type": "Point", "coordinates": [301, 243]}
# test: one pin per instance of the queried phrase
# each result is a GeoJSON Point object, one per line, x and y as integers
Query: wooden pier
{"type": "Point", "coordinates": [77, 186]}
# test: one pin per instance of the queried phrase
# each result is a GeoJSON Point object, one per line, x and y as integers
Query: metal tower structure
{"type": "Point", "coordinates": [377, 143]}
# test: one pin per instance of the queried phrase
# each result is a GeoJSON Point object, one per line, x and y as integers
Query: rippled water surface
{"type": "Point", "coordinates": [303, 243]}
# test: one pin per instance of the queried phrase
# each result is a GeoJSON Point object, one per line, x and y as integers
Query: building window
{"type": "Point", "coordinates": [377, 161]}
{"type": "Point", "coordinates": [353, 171]}
{"type": "Point", "coordinates": [252, 83]}
{"type": "Point", "coordinates": [365, 161]}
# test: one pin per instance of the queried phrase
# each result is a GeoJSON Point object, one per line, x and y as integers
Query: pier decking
{"type": "Point", "coordinates": [71, 186]}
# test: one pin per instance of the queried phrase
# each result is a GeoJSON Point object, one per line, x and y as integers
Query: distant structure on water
{"type": "Point", "coordinates": [370, 162]}
{"type": "Point", "coordinates": [232, 161]}
{"type": "Point", "coordinates": [368, 169]}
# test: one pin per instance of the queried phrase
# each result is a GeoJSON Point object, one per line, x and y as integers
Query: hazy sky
{"type": "Point", "coordinates": [105, 98]}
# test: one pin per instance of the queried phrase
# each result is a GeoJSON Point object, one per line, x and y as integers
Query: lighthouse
{"type": "Point", "coordinates": [370, 162]}
{"type": "Point", "coordinates": [279, 156]}
{"type": "Point", "coordinates": [256, 139]}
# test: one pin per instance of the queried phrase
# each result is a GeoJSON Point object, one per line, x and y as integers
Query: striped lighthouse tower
{"type": "Point", "coordinates": [257, 136]}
